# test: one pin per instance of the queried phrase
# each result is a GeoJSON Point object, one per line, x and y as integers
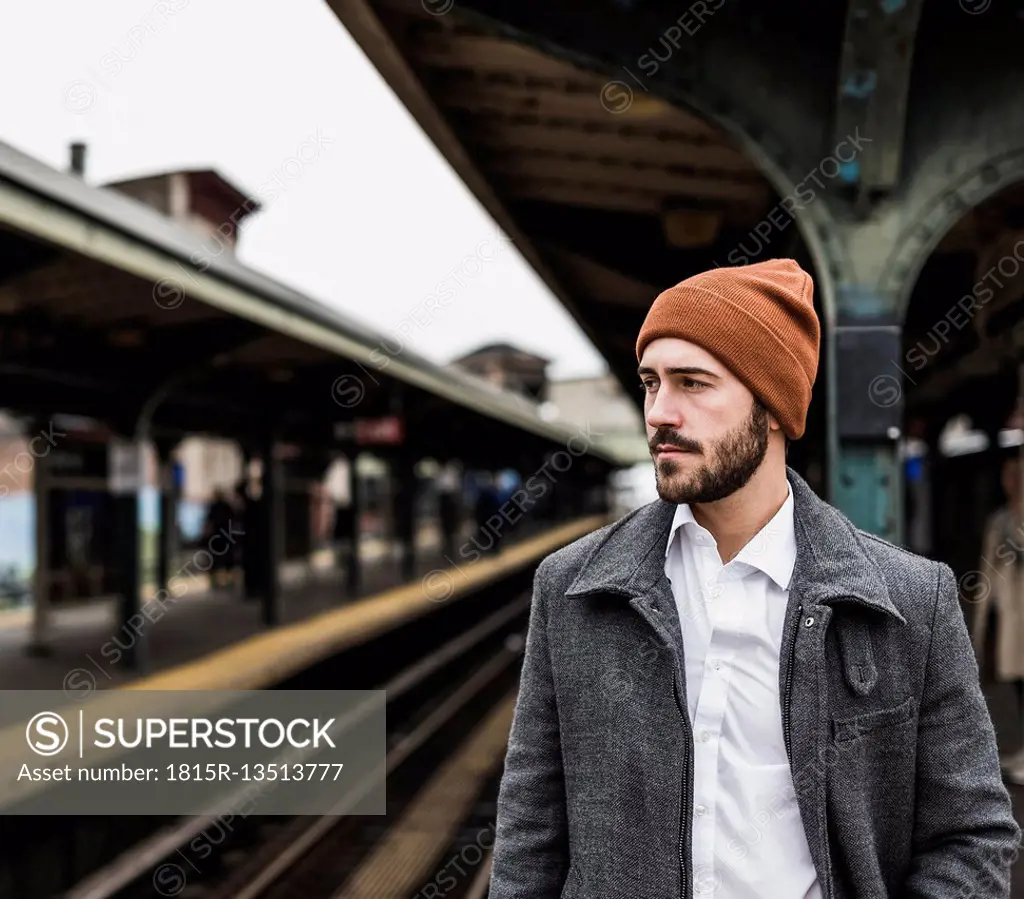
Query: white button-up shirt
{"type": "Point", "coordinates": [748, 840]}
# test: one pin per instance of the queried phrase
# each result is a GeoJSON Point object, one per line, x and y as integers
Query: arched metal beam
{"type": "Point", "coordinates": [940, 205]}
{"type": "Point", "coordinates": [874, 81]}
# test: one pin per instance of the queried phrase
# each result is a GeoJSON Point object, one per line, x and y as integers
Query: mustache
{"type": "Point", "coordinates": [671, 439]}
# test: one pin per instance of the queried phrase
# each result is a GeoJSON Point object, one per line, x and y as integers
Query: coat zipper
{"type": "Point", "coordinates": [788, 689]}
{"type": "Point", "coordinates": [826, 887]}
{"type": "Point", "coordinates": [685, 811]}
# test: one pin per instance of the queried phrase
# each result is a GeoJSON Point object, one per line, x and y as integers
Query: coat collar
{"type": "Point", "coordinates": [771, 551]}
{"type": "Point", "coordinates": [832, 564]}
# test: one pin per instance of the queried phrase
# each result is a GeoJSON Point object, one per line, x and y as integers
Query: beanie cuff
{"type": "Point", "coordinates": [725, 329]}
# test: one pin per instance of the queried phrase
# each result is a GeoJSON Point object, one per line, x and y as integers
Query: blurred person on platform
{"type": "Point", "coordinates": [998, 626]}
{"type": "Point", "coordinates": [449, 502]}
{"type": "Point", "coordinates": [733, 691]}
{"type": "Point", "coordinates": [218, 525]}
{"type": "Point", "coordinates": [489, 527]}
{"type": "Point", "coordinates": [251, 540]}
{"type": "Point", "coordinates": [344, 533]}
{"type": "Point", "coordinates": [241, 502]}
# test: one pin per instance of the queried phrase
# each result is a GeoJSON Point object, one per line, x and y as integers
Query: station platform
{"type": "Point", "coordinates": [215, 639]}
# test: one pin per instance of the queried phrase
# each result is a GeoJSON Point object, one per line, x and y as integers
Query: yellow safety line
{"type": "Point", "coordinates": [410, 850]}
{"type": "Point", "coordinates": [268, 658]}
{"type": "Point", "coordinates": [482, 881]}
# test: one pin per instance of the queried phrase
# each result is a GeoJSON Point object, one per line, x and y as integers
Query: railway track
{"type": "Point", "coordinates": [448, 719]}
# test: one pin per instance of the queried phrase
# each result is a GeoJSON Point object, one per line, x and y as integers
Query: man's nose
{"type": "Point", "coordinates": [664, 412]}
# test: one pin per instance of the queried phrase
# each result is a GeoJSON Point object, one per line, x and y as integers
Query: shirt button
{"type": "Point", "coordinates": [700, 810]}
{"type": "Point", "coordinates": [704, 736]}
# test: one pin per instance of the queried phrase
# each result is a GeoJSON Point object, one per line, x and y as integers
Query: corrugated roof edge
{"type": "Point", "coordinates": [141, 223]}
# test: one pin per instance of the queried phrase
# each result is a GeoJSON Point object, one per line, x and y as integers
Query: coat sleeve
{"type": "Point", "coordinates": [965, 835]}
{"type": "Point", "coordinates": [531, 851]}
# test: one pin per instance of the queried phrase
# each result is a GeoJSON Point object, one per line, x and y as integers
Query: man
{"type": "Point", "coordinates": [732, 692]}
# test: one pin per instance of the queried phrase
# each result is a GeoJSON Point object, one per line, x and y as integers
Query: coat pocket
{"type": "Point", "coordinates": [867, 723]}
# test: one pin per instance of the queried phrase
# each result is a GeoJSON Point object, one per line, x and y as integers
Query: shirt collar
{"type": "Point", "coordinates": [771, 550]}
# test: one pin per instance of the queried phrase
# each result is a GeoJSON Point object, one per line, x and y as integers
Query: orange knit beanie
{"type": "Point", "coordinates": [759, 320]}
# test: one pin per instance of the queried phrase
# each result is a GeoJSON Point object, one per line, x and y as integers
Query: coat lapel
{"type": "Point", "coordinates": [630, 562]}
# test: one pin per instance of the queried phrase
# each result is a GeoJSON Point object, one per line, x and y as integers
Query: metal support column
{"type": "Point", "coordinates": [937, 495]}
{"type": "Point", "coordinates": [403, 470]}
{"type": "Point", "coordinates": [39, 645]}
{"type": "Point", "coordinates": [252, 566]}
{"type": "Point", "coordinates": [272, 530]}
{"type": "Point", "coordinates": [126, 472]}
{"type": "Point", "coordinates": [1020, 415]}
{"type": "Point", "coordinates": [990, 495]}
{"type": "Point", "coordinates": [354, 573]}
{"type": "Point", "coordinates": [168, 537]}
{"type": "Point", "coordinates": [866, 471]}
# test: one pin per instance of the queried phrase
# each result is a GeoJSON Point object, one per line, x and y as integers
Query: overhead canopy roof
{"type": "Point", "coordinates": [548, 112]}
{"type": "Point", "coordinates": [104, 315]}
{"type": "Point", "coordinates": [613, 195]}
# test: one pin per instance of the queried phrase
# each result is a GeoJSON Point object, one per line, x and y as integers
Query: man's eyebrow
{"type": "Point", "coordinates": [679, 370]}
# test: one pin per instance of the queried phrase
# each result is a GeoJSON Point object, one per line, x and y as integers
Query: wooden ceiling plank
{"type": "Point", "coordinates": [624, 147]}
{"type": "Point", "coordinates": [476, 96]}
{"type": "Point", "coordinates": [488, 54]}
{"type": "Point", "coordinates": [586, 196]}
{"type": "Point", "coordinates": [668, 184]}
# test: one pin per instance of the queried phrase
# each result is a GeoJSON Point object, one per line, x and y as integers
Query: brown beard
{"type": "Point", "coordinates": [733, 460]}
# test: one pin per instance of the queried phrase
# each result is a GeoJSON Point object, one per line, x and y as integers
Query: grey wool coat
{"type": "Point", "coordinates": [891, 746]}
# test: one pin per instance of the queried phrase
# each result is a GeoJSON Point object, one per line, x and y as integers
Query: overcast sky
{"type": "Point", "coordinates": [373, 221]}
